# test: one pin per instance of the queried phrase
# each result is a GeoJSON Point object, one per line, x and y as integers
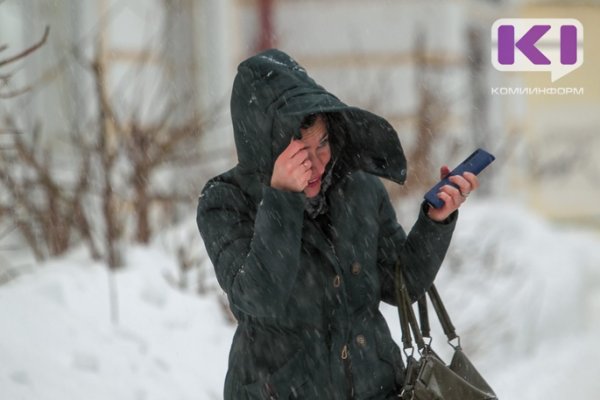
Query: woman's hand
{"type": "Point", "coordinates": [291, 171]}
{"type": "Point", "coordinates": [451, 196]}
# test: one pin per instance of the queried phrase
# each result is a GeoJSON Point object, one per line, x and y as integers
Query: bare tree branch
{"type": "Point", "coordinates": [27, 51]}
{"type": "Point", "coordinates": [59, 213]}
{"type": "Point", "coordinates": [15, 93]}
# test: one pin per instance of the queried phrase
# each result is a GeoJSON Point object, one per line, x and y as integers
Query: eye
{"type": "Point", "coordinates": [324, 142]}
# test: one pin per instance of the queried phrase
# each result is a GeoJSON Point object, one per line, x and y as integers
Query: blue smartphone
{"type": "Point", "coordinates": [475, 163]}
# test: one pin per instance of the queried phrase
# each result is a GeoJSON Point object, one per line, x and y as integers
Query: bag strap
{"type": "Point", "coordinates": [424, 317]}
{"type": "Point", "coordinates": [406, 314]}
{"type": "Point", "coordinates": [407, 317]}
{"type": "Point", "coordinates": [442, 314]}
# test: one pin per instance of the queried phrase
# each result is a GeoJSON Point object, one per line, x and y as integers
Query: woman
{"type": "Point", "coordinates": [304, 239]}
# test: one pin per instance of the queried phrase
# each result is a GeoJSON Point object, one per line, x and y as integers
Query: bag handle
{"type": "Point", "coordinates": [408, 319]}
{"type": "Point", "coordinates": [442, 314]}
{"type": "Point", "coordinates": [424, 317]}
{"type": "Point", "coordinates": [406, 314]}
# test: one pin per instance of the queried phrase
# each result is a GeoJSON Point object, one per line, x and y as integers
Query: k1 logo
{"type": "Point", "coordinates": [537, 44]}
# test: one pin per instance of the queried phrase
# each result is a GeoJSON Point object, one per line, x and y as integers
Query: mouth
{"type": "Point", "coordinates": [314, 182]}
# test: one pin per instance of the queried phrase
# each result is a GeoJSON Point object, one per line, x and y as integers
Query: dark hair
{"type": "Point", "coordinates": [334, 123]}
{"type": "Point", "coordinates": [310, 119]}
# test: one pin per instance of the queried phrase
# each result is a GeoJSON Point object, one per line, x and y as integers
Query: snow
{"type": "Point", "coordinates": [523, 294]}
{"type": "Point", "coordinates": [524, 297]}
{"type": "Point", "coordinates": [58, 342]}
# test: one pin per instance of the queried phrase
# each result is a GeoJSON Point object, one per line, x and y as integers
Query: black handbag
{"type": "Point", "coordinates": [429, 377]}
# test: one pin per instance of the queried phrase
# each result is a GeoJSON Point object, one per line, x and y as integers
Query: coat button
{"type": "Point", "coordinates": [361, 340]}
{"type": "Point", "coordinates": [355, 268]}
{"type": "Point", "coordinates": [337, 281]}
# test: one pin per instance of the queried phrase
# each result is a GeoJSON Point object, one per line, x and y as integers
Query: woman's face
{"type": "Point", "coordinates": [316, 140]}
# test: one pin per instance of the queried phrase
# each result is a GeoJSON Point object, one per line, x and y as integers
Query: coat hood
{"type": "Point", "coordinates": [271, 95]}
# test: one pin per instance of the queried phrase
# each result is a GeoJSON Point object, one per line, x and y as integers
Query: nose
{"type": "Point", "coordinates": [317, 166]}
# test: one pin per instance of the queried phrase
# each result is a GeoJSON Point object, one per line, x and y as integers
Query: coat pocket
{"type": "Point", "coordinates": [389, 351]}
{"type": "Point", "coordinates": [285, 383]}
{"type": "Point", "coordinates": [374, 366]}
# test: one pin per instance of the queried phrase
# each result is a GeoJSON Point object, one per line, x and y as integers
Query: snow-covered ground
{"type": "Point", "coordinates": [523, 294]}
{"type": "Point", "coordinates": [57, 340]}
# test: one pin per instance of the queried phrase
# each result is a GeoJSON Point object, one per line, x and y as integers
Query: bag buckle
{"type": "Point", "coordinates": [457, 345]}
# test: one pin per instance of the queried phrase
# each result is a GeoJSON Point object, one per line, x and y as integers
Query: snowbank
{"type": "Point", "coordinates": [57, 341]}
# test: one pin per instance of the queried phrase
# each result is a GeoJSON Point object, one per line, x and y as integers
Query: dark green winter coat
{"type": "Point", "coordinates": [306, 291]}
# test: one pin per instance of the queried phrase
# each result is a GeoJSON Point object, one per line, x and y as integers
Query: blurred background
{"type": "Point", "coordinates": [114, 114]}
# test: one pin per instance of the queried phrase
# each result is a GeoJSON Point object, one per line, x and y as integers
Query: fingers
{"type": "Point", "coordinates": [444, 171]}
{"type": "Point", "coordinates": [472, 179]}
{"type": "Point", "coordinates": [466, 183]}
{"type": "Point", "coordinates": [453, 195]}
{"type": "Point", "coordinates": [463, 186]}
{"type": "Point", "coordinates": [303, 179]}
{"type": "Point", "coordinates": [295, 156]}
{"type": "Point", "coordinates": [293, 148]}
{"type": "Point", "coordinates": [292, 169]}
{"type": "Point", "coordinates": [300, 171]}
{"type": "Point", "coordinates": [299, 157]}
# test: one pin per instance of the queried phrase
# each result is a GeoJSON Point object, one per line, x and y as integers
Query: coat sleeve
{"type": "Point", "coordinates": [420, 253]}
{"type": "Point", "coordinates": [256, 258]}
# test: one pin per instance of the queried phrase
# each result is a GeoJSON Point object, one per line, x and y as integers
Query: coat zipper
{"type": "Point", "coordinates": [345, 355]}
{"type": "Point", "coordinates": [348, 370]}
